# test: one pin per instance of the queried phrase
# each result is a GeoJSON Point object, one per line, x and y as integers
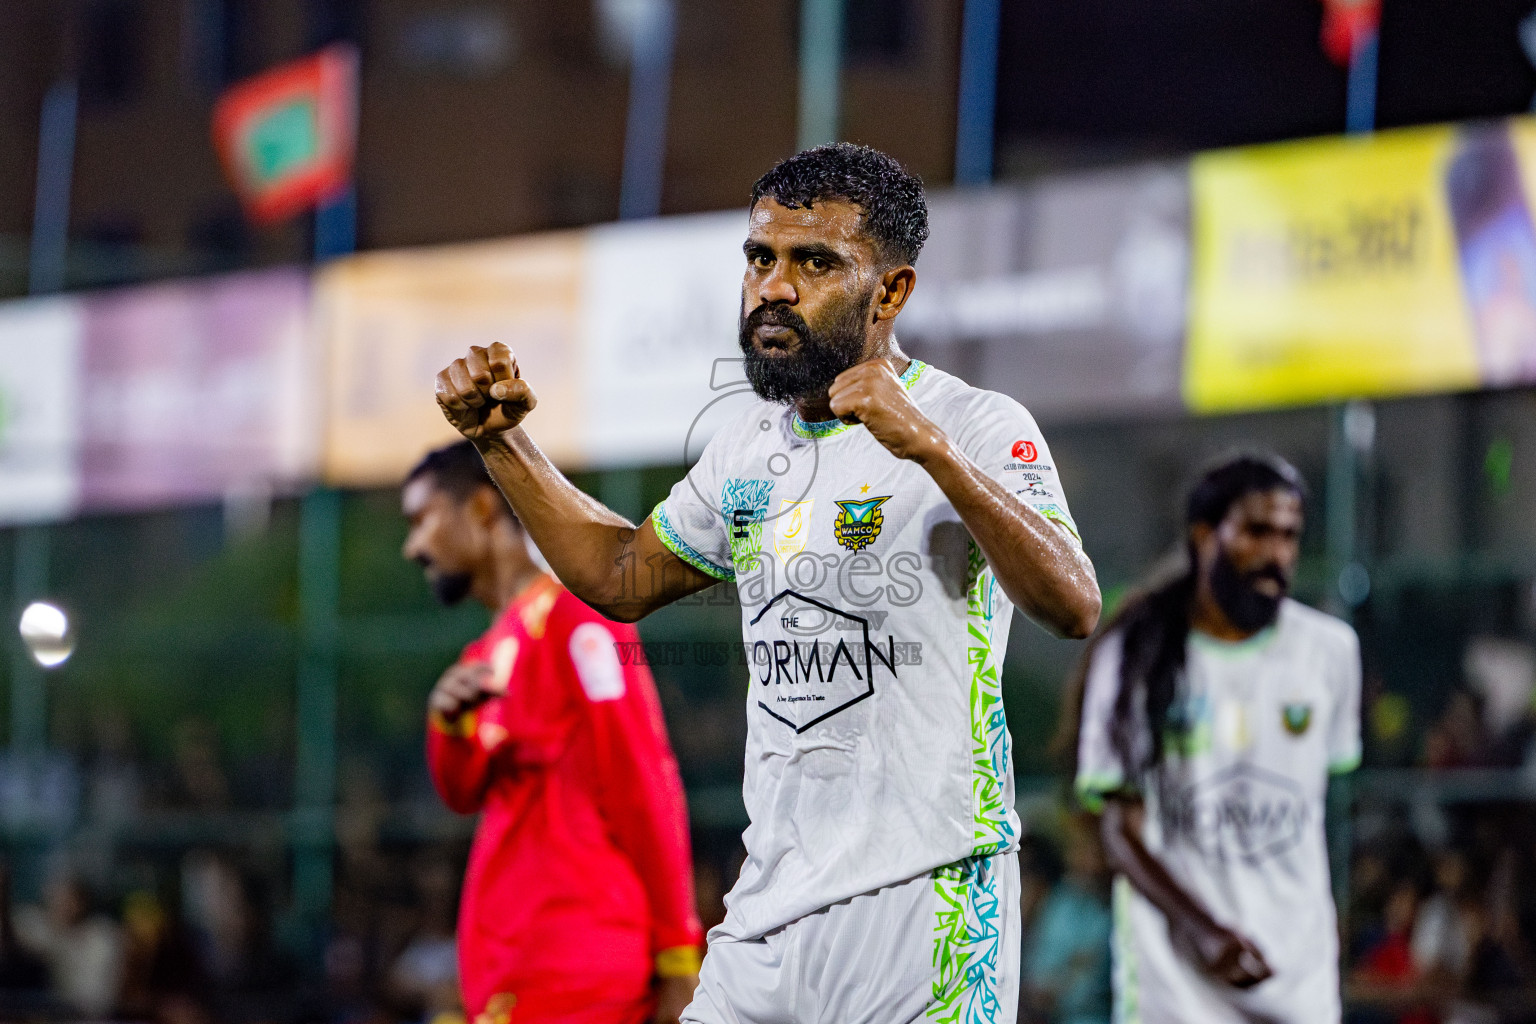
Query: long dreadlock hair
{"type": "Point", "coordinates": [1154, 623]}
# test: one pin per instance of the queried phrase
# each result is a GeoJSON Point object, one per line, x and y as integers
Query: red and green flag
{"type": "Point", "coordinates": [286, 137]}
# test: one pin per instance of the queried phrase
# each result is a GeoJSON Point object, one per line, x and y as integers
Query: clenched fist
{"type": "Point", "coordinates": [869, 393]}
{"type": "Point", "coordinates": [483, 394]}
{"type": "Point", "coordinates": [1222, 953]}
{"type": "Point", "coordinates": [462, 688]}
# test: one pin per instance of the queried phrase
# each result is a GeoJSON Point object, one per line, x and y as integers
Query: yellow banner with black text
{"type": "Point", "coordinates": [1399, 263]}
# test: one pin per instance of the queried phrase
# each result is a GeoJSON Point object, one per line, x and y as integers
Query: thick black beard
{"type": "Point", "coordinates": [1246, 608]}
{"type": "Point", "coordinates": [450, 587]}
{"type": "Point", "coordinates": [816, 361]}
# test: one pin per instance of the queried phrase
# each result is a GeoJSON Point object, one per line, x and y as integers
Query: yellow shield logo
{"type": "Point", "coordinates": [791, 527]}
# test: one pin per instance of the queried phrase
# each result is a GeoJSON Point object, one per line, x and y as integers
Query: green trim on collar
{"type": "Point", "coordinates": [913, 371]}
{"type": "Point", "coordinates": [816, 431]}
{"type": "Point", "coordinates": [1234, 648]}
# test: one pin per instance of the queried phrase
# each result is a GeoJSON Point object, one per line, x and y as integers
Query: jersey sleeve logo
{"type": "Point", "coordinates": [491, 736]}
{"type": "Point", "coordinates": [536, 611]}
{"type": "Point", "coordinates": [503, 660]}
{"type": "Point", "coordinates": [597, 662]}
{"type": "Point", "coordinates": [1025, 451]}
{"type": "Point", "coordinates": [744, 504]}
{"type": "Point", "coordinates": [859, 522]}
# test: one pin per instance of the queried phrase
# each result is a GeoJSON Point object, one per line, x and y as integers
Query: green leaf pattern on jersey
{"type": "Point", "coordinates": [993, 827]}
{"type": "Point", "coordinates": [967, 943]}
{"type": "Point", "coordinates": [1127, 986]}
{"type": "Point", "coordinates": [744, 503]}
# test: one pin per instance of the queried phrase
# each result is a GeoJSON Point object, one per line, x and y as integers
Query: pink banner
{"type": "Point", "coordinates": [197, 390]}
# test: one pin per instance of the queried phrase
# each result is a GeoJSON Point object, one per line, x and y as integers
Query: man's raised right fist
{"type": "Point", "coordinates": [483, 394]}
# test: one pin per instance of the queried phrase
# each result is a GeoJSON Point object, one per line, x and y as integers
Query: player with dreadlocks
{"type": "Point", "coordinates": [1213, 710]}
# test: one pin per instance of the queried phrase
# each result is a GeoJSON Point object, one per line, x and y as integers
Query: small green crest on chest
{"type": "Point", "coordinates": [859, 521]}
{"type": "Point", "coordinates": [1296, 718]}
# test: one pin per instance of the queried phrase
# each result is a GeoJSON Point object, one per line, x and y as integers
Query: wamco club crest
{"type": "Point", "coordinates": [858, 522]}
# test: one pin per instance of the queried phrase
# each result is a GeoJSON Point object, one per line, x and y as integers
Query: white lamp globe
{"type": "Point", "coordinates": [45, 630]}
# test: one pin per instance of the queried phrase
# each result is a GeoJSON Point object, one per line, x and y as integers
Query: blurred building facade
{"type": "Point", "coordinates": [477, 119]}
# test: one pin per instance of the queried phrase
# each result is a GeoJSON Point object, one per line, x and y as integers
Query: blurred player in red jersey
{"type": "Point", "coordinates": [578, 900]}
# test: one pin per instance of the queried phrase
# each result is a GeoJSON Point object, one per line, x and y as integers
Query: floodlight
{"type": "Point", "coordinates": [45, 630]}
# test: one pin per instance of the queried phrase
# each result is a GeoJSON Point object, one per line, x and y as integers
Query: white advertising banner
{"type": "Point", "coordinates": [40, 405]}
{"type": "Point", "coordinates": [659, 310]}
{"type": "Point", "coordinates": [1067, 294]}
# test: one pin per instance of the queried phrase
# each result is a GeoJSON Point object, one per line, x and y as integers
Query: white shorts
{"type": "Point", "coordinates": [940, 947]}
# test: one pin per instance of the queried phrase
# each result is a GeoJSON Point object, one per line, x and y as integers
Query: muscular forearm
{"type": "Point", "coordinates": [1127, 854]}
{"type": "Point", "coordinates": [584, 541]}
{"type": "Point", "coordinates": [1216, 949]}
{"type": "Point", "coordinates": [1044, 572]}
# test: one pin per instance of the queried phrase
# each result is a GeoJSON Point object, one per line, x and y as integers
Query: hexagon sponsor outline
{"type": "Point", "coordinates": [869, 671]}
{"type": "Point", "coordinates": [1213, 787]}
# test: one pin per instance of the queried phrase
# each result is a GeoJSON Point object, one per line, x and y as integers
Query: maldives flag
{"type": "Point", "coordinates": [286, 137]}
{"type": "Point", "coordinates": [1346, 24]}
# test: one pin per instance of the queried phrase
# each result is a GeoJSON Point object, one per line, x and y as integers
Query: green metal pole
{"type": "Point", "coordinates": [29, 693]}
{"type": "Point", "coordinates": [623, 491]}
{"type": "Point", "coordinates": [314, 816]}
{"type": "Point", "coordinates": [821, 58]}
{"type": "Point", "coordinates": [313, 830]}
{"type": "Point", "coordinates": [1351, 437]}
{"type": "Point", "coordinates": [45, 274]}
{"type": "Point", "coordinates": [1340, 496]}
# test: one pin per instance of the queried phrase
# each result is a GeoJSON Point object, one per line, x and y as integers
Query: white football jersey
{"type": "Point", "coordinates": [876, 746]}
{"type": "Point", "coordinates": [1235, 812]}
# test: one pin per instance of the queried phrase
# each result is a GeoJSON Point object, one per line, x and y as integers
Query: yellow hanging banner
{"type": "Point", "coordinates": [1393, 264]}
{"type": "Point", "coordinates": [391, 320]}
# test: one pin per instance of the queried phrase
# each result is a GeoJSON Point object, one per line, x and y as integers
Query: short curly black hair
{"type": "Point", "coordinates": [457, 470]}
{"type": "Point", "coordinates": [895, 210]}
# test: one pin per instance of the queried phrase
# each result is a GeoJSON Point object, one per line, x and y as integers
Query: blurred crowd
{"type": "Point", "coordinates": [1066, 910]}
{"type": "Point", "coordinates": [122, 897]}
{"type": "Point", "coordinates": [209, 946]}
{"type": "Point", "coordinates": [1440, 926]}
{"type": "Point", "coordinates": [159, 889]}
{"type": "Point", "coordinates": [1446, 932]}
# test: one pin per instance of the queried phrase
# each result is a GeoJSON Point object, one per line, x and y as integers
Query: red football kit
{"type": "Point", "coordinates": [579, 889]}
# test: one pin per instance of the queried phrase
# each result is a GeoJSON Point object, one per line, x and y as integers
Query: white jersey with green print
{"type": "Point", "coordinates": [876, 746]}
{"type": "Point", "coordinates": [1235, 812]}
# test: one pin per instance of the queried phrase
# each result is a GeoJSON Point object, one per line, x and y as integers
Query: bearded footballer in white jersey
{"type": "Point", "coordinates": [881, 520]}
{"type": "Point", "coordinates": [1214, 710]}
